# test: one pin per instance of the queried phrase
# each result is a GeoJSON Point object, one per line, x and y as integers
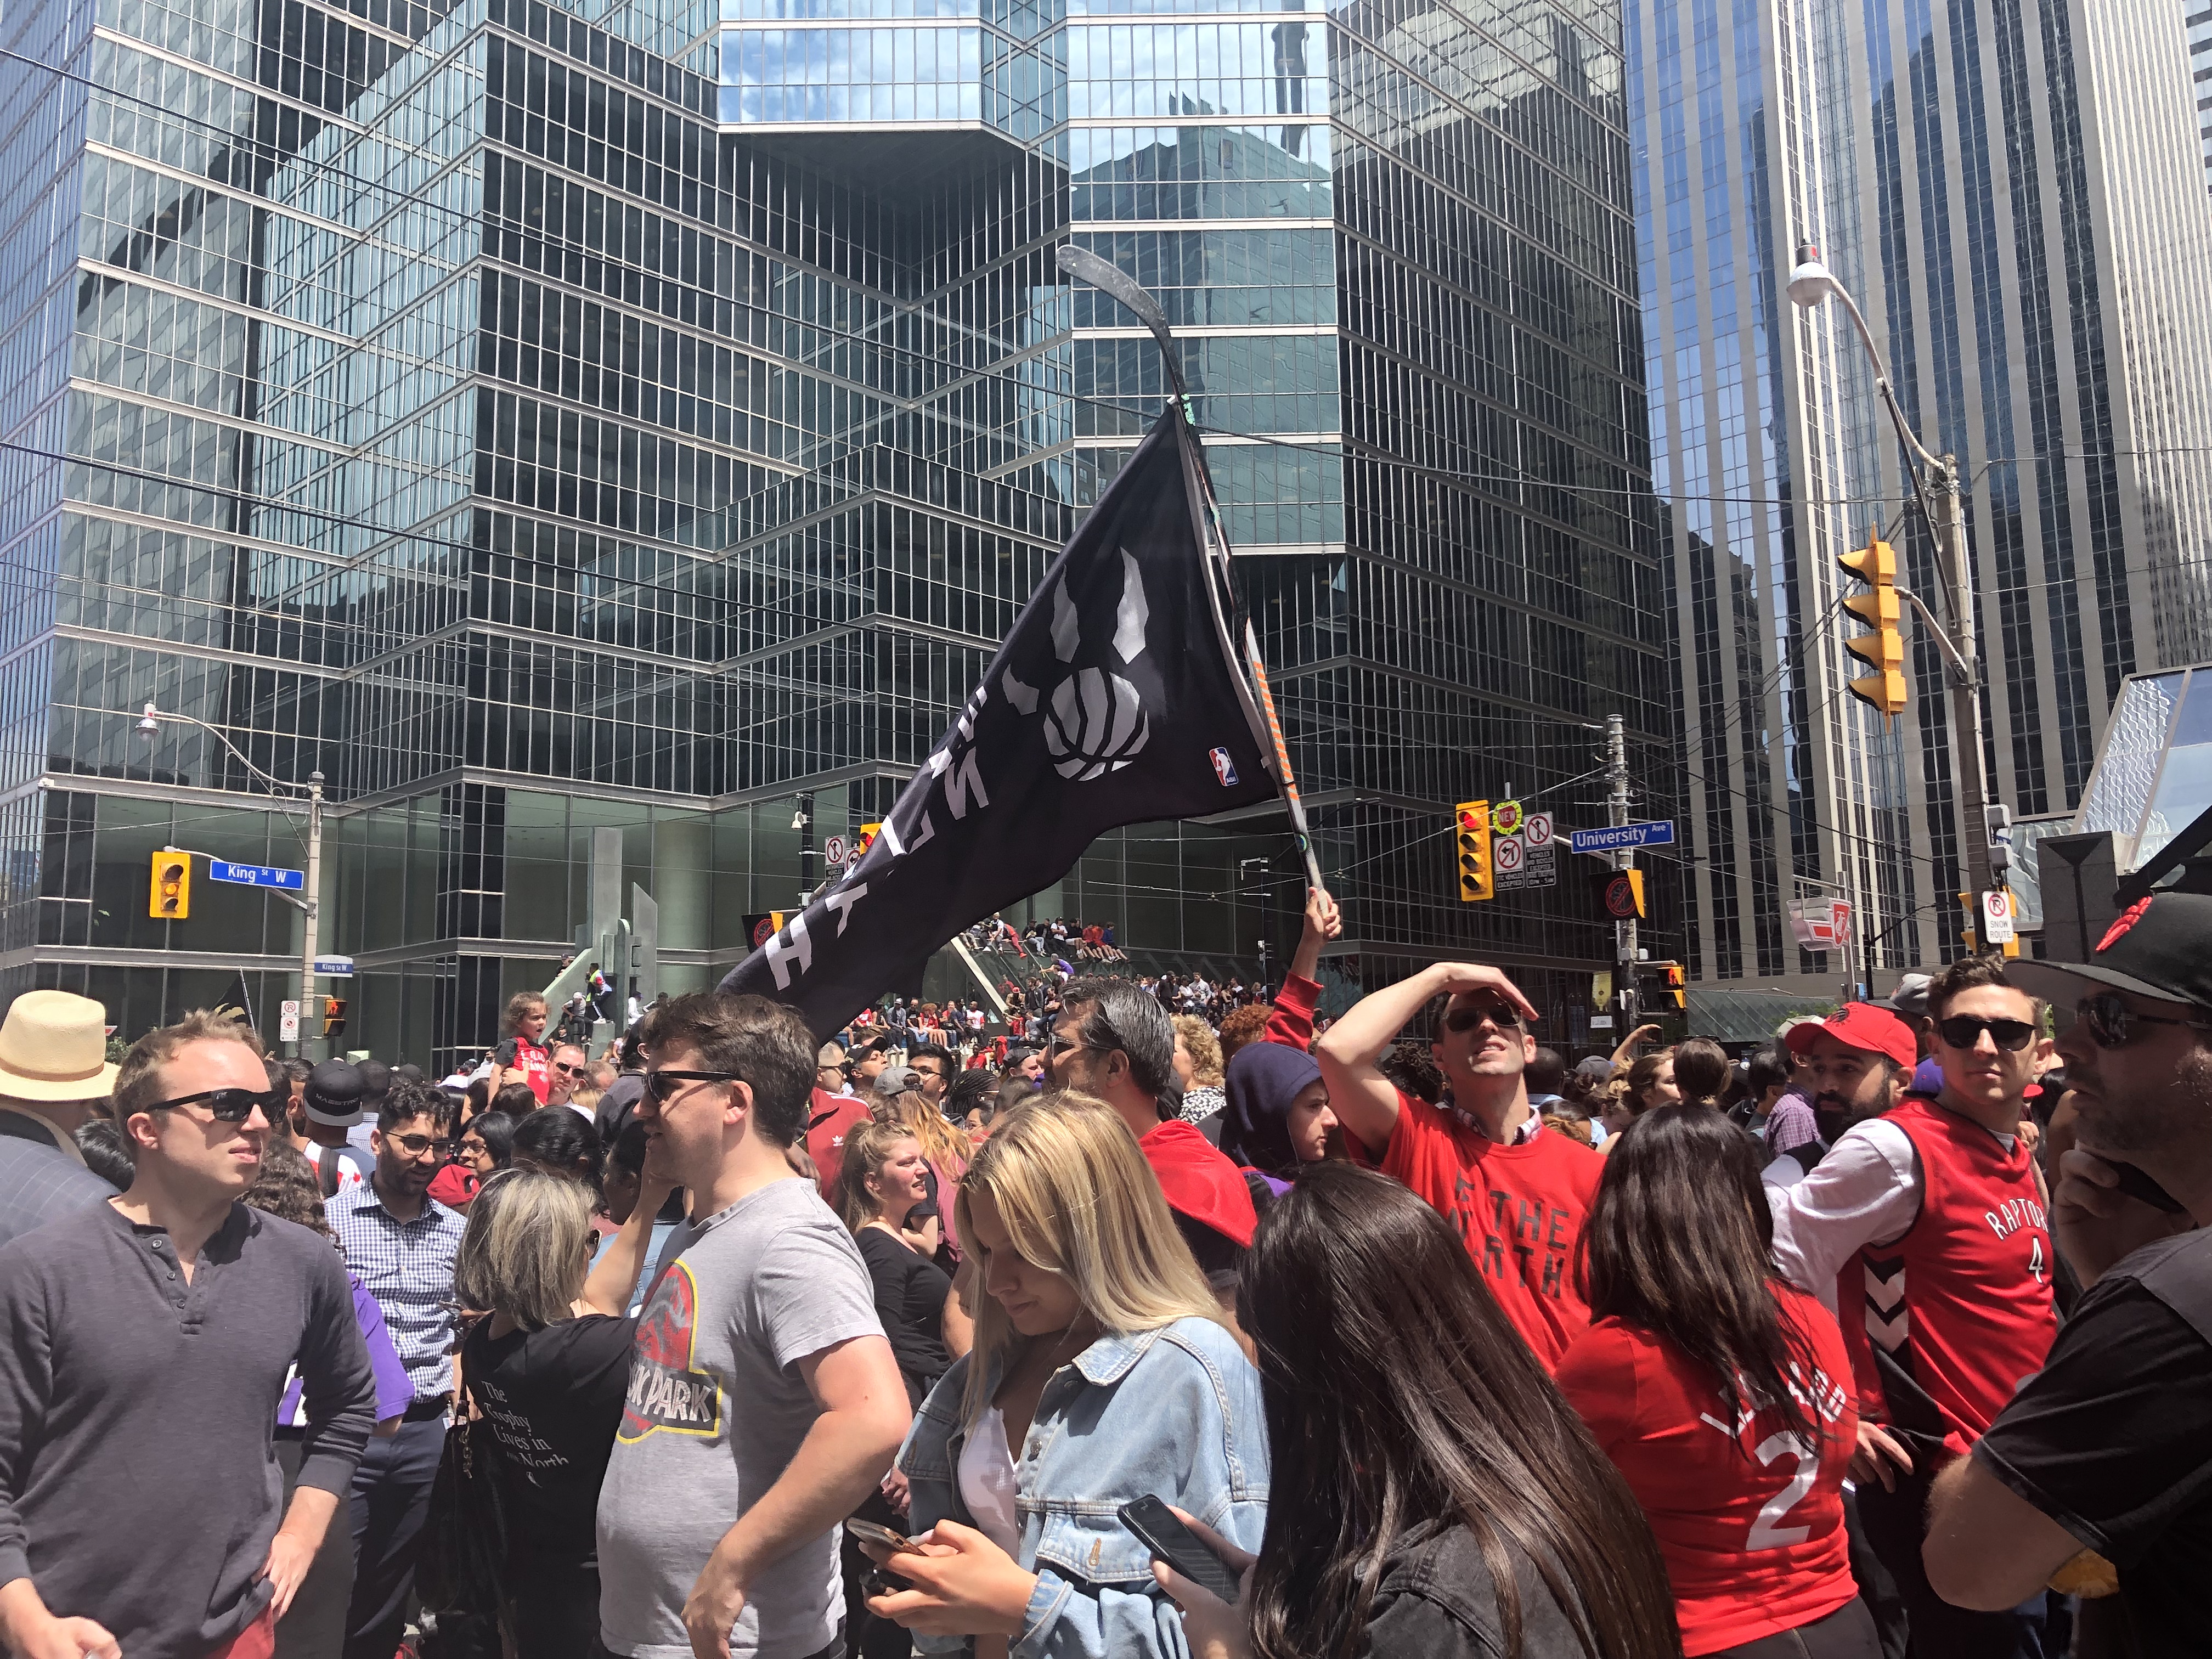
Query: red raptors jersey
{"type": "Point", "coordinates": [1958, 1311]}
{"type": "Point", "coordinates": [1748, 1519]}
{"type": "Point", "coordinates": [1518, 1209]}
{"type": "Point", "coordinates": [520, 1053]}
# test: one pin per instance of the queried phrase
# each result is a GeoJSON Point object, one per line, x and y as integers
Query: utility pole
{"type": "Point", "coordinates": [1624, 931]}
{"type": "Point", "coordinates": [1973, 780]}
{"type": "Point", "coordinates": [310, 917]}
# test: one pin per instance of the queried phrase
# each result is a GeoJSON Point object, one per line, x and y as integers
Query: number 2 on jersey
{"type": "Point", "coordinates": [1766, 1532]}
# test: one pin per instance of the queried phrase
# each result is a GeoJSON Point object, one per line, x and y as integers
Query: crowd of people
{"type": "Point", "coordinates": [1126, 1331]}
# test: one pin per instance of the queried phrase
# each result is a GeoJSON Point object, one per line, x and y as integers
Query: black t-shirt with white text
{"type": "Point", "coordinates": [553, 1398]}
{"type": "Point", "coordinates": [2110, 1439]}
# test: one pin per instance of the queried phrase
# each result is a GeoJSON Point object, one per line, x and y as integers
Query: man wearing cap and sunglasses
{"type": "Point", "coordinates": [149, 1340]}
{"type": "Point", "coordinates": [1517, 1192]}
{"type": "Point", "coordinates": [1924, 1226]}
{"type": "Point", "coordinates": [2106, 1450]}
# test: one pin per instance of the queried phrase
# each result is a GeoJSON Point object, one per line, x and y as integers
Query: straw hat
{"type": "Point", "coordinates": [54, 1046]}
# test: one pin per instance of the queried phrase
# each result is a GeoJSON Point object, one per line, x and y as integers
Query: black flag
{"type": "Point", "coordinates": [1112, 700]}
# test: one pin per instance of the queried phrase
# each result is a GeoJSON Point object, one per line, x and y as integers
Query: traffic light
{"type": "Point", "coordinates": [169, 896]}
{"type": "Point", "coordinates": [1620, 892]}
{"type": "Point", "coordinates": [1472, 833]}
{"type": "Point", "coordinates": [1876, 564]}
{"type": "Point", "coordinates": [333, 1016]}
{"type": "Point", "coordinates": [1676, 979]}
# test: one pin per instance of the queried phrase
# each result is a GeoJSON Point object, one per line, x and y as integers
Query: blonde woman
{"type": "Point", "coordinates": [944, 1150]}
{"type": "Point", "coordinates": [1198, 1067]}
{"type": "Point", "coordinates": [883, 1178]}
{"type": "Point", "coordinates": [1103, 1371]}
{"type": "Point", "coordinates": [546, 1366]}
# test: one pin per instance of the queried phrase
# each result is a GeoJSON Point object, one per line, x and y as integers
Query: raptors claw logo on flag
{"type": "Point", "coordinates": [1115, 699]}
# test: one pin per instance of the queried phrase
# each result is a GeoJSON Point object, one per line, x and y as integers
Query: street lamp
{"type": "Point", "coordinates": [1811, 283]}
{"type": "Point", "coordinates": [149, 727]}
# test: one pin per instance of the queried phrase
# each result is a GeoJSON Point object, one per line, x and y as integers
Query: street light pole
{"type": "Point", "coordinates": [1810, 283]}
{"type": "Point", "coordinates": [309, 902]}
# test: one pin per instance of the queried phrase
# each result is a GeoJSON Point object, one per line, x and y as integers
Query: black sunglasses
{"type": "Point", "coordinates": [230, 1105]}
{"type": "Point", "coordinates": [662, 1086]}
{"type": "Point", "coordinates": [1500, 1016]}
{"type": "Point", "coordinates": [1964, 1032]}
{"type": "Point", "coordinates": [2112, 1023]}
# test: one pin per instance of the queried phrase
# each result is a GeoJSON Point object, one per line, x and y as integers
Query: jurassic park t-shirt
{"type": "Point", "coordinates": [744, 1296]}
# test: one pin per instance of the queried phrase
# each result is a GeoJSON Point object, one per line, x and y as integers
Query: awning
{"type": "Point", "coordinates": [1746, 1016]}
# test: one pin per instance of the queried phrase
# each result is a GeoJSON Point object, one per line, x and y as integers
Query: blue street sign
{"type": "Point", "coordinates": [256, 875]}
{"type": "Point", "coordinates": [1622, 835]}
{"type": "Point", "coordinates": [334, 967]}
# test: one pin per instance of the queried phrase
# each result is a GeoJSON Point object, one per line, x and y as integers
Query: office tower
{"type": "Point", "coordinates": [2200, 76]}
{"type": "Point", "coordinates": [607, 442]}
{"type": "Point", "coordinates": [2005, 190]}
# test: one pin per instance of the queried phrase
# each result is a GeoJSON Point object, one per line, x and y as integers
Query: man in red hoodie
{"type": "Point", "coordinates": [1112, 1040]}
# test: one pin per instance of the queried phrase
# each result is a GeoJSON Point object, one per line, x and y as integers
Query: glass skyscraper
{"type": "Point", "coordinates": [2008, 188]}
{"type": "Point", "coordinates": [550, 419]}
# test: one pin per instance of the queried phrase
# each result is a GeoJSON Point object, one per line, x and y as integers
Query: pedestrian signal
{"type": "Point", "coordinates": [1470, 832]}
{"type": "Point", "coordinates": [169, 896]}
{"type": "Point", "coordinates": [1876, 564]}
{"type": "Point", "coordinates": [1676, 981]}
{"type": "Point", "coordinates": [1621, 892]}
{"type": "Point", "coordinates": [333, 1016]}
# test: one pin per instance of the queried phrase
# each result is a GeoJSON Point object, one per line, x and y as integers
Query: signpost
{"type": "Point", "coordinates": [1997, 916]}
{"type": "Point", "coordinates": [288, 1022]}
{"type": "Point", "coordinates": [1820, 924]}
{"type": "Point", "coordinates": [1620, 837]}
{"type": "Point", "coordinates": [256, 875]}
{"type": "Point", "coordinates": [1505, 818]}
{"type": "Point", "coordinates": [833, 849]}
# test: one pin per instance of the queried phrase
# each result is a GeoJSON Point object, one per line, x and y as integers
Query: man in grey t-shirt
{"type": "Point", "coordinates": [763, 1392]}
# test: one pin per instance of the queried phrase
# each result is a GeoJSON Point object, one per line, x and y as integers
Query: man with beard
{"type": "Point", "coordinates": [401, 1243]}
{"type": "Point", "coordinates": [2105, 1450]}
{"type": "Point", "coordinates": [1926, 1225]}
{"type": "Point", "coordinates": [1855, 1065]}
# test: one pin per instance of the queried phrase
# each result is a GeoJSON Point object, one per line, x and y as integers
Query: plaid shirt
{"type": "Point", "coordinates": [408, 1266]}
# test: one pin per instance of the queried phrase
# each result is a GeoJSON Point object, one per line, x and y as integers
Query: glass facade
{"type": "Point", "coordinates": [1999, 186]}
{"type": "Point", "coordinates": [545, 419]}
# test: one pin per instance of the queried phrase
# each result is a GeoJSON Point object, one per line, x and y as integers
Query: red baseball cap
{"type": "Point", "coordinates": [1861, 1025]}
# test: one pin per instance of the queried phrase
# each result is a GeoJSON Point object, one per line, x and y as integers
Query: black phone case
{"type": "Point", "coordinates": [1181, 1549]}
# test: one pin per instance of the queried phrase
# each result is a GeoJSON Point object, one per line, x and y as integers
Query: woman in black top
{"type": "Point", "coordinates": [883, 1178]}
{"type": "Point", "coordinates": [1432, 1496]}
{"type": "Point", "coordinates": [545, 1367]}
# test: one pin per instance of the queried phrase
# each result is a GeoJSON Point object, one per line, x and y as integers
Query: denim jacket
{"type": "Point", "coordinates": [1173, 1413]}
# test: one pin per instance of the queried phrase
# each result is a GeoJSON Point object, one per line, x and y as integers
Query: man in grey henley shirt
{"type": "Point", "coordinates": [149, 1341]}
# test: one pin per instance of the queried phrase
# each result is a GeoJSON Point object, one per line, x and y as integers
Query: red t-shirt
{"type": "Point", "coordinates": [520, 1053]}
{"type": "Point", "coordinates": [832, 1117]}
{"type": "Point", "coordinates": [1518, 1209]}
{"type": "Point", "coordinates": [1751, 1530]}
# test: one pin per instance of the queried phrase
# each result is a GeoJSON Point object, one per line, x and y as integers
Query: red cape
{"type": "Point", "coordinates": [1199, 1182]}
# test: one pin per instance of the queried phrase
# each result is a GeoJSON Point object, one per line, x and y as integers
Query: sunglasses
{"type": "Point", "coordinates": [2112, 1023]}
{"type": "Point", "coordinates": [567, 1071]}
{"type": "Point", "coordinates": [1465, 1019]}
{"type": "Point", "coordinates": [230, 1105]}
{"type": "Point", "coordinates": [663, 1086]}
{"type": "Point", "coordinates": [1964, 1032]}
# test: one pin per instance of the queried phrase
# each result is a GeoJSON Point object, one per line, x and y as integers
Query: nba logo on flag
{"type": "Point", "coordinates": [1225, 769]}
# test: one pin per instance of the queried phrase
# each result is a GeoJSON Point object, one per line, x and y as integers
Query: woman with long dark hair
{"type": "Point", "coordinates": [1722, 1394]}
{"type": "Point", "coordinates": [1431, 1496]}
{"type": "Point", "coordinates": [1702, 1070]}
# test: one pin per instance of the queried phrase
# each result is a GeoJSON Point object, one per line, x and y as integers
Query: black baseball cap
{"type": "Point", "coordinates": [333, 1093]}
{"type": "Point", "coordinates": [2159, 946]}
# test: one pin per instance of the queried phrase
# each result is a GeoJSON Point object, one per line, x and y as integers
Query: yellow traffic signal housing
{"type": "Point", "coordinates": [1676, 980]}
{"type": "Point", "coordinates": [333, 1016]}
{"type": "Point", "coordinates": [1876, 564]}
{"type": "Point", "coordinates": [169, 894]}
{"type": "Point", "coordinates": [1470, 832]}
{"type": "Point", "coordinates": [1620, 894]}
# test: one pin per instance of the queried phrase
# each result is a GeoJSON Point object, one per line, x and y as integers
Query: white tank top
{"type": "Point", "coordinates": [987, 1482]}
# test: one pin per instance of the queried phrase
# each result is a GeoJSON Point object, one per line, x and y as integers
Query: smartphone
{"type": "Point", "coordinates": [1170, 1540]}
{"type": "Point", "coordinates": [868, 1532]}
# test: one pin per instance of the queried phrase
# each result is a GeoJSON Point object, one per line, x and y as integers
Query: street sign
{"type": "Point", "coordinates": [1622, 836]}
{"type": "Point", "coordinates": [833, 848]}
{"type": "Point", "coordinates": [256, 875]}
{"type": "Point", "coordinates": [1508, 854]}
{"type": "Point", "coordinates": [288, 1022]}
{"type": "Point", "coordinates": [1537, 830]}
{"type": "Point", "coordinates": [1505, 818]}
{"type": "Point", "coordinates": [1600, 1022]}
{"type": "Point", "coordinates": [1997, 916]}
{"type": "Point", "coordinates": [1820, 924]}
{"type": "Point", "coordinates": [334, 967]}
{"type": "Point", "coordinates": [1535, 865]}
